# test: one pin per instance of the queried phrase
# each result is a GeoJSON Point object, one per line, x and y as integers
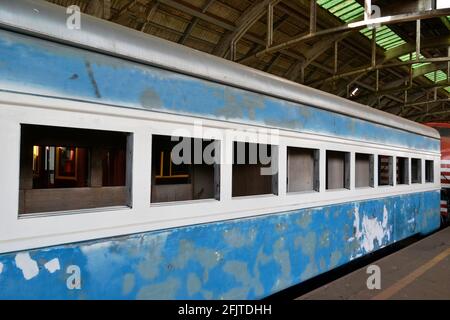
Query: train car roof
{"type": "Point", "coordinates": [48, 21]}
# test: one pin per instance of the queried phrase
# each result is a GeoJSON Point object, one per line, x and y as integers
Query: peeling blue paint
{"type": "Point", "coordinates": [40, 67]}
{"type": "Point", "coordinates": [240, 259]}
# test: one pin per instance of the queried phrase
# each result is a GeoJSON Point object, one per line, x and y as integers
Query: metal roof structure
{"type": "Point", "coordinates": [324, 44]}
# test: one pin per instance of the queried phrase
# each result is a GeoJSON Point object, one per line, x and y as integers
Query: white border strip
{"type": "Point", "coordinates": [46, 230]}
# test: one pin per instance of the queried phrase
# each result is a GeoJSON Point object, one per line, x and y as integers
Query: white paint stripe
{"type": "Point", "coordinates": [445, 161]}
{"type": "Point", "coordinates": [52, 265]}
{"type": "Point", "coordinates": [1, 268]}
{"type": "Point", "coordinates": [28, 266]}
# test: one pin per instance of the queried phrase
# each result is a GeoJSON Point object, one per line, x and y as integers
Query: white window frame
{"type": "Point", "coordinates": [408, 162]}
{"type": "Point", "coordinates": [316, 171]}
{"type": "Point", "coordinates": [421, 167]}
{"type": "Point", "coordinates": [128, 182]}
{"type": "Point", "coordinates": [265, 138]}
{"type": "Point", "coordinates": [349, 159]}
{"type": "Point", "coordinates": [433, 177]}
{"type": "Point", "coordinates": [392, 170]}
{"type": "Point", "coordinates": [372, 161]}
{"type": "Point", "coordinates": [193, 135]}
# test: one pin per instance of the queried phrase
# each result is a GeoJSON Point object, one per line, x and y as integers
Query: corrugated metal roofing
{"type": "Point", "coordinates": [386, 38]}
{"type": "Point", "coordinates": [437, 76]}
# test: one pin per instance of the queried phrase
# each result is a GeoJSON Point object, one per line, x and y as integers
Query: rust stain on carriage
{"type": "Point", "coordinates": [92, 79]}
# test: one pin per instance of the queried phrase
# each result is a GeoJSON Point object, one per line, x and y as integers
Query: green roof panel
{"type": "Point", "coordinates": [437, 76]}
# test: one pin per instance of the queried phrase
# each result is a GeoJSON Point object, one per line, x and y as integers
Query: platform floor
{"type": "Point", "coordinates": [419, 271]}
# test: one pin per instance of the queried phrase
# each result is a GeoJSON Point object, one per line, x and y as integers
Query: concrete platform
{"type": "Point", "coordinates": [419, 271]}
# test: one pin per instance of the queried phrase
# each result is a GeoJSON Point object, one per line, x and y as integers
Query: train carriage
{"type": "Point", "coordinates": [94, 206]}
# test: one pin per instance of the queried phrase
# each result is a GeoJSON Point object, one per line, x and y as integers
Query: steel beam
{"type": "Point", "coordinates": [355, 26]}
{"type": "Point", "coordinates": [245, 22]}
{"type": "Point", "coordinates": [436, 42]}
{"type": "Point", "coordinates": [312, 17]}
{"type": "Point", "coordinates": [380, 66]}
{"type": "Point", "coordinates": [269, 35]}
{"type": "Point", "coordinates": [418, 39]}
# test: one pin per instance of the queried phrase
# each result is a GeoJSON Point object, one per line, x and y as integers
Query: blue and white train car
{"type": "Point", "coordinates": [93, 205]}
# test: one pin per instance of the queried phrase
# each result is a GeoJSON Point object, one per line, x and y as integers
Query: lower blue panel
{"type": "Point", "coordinates": [238, 259]}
